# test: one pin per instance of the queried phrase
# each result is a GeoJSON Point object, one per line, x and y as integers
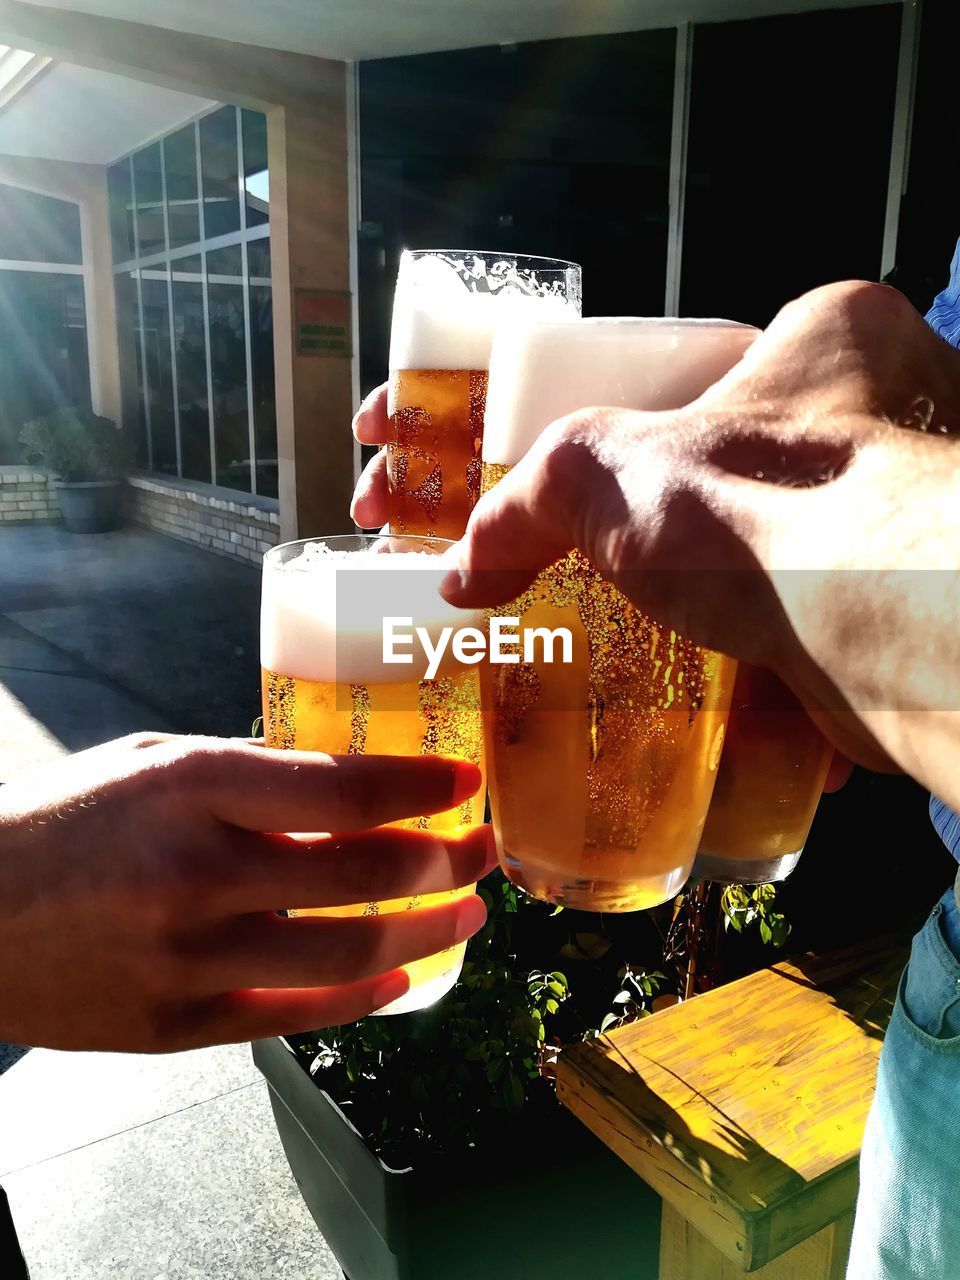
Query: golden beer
{"type": "Point", "coordinates": [447, 307]}
{"type": "Point", "coordinates": [600, 770]}
{"type": "Point", "coordinates": [768, 787]}
{"type": "Point", "coordinates": [433, 462]}
{"type": "Point", "coordinates": [326, 688]}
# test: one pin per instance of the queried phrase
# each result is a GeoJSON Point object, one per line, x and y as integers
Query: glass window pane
{"type": "Point", "coordinates": [558, 147]}
{"type": "Point", "coordinates": [256, 180]}
{"type": "Point", "coordinates": [37, 228]}
{"type": "Point", "coordinates": [218, 163]}
{"type": "Point", "coordinates": [228, 363]}
{"type": "Point", "coordinates": [188, 337]}
{"type": "Point", "coordinates": [225, 266]}
{"type": "Point", "coordinates": [258, 260]}
{"type": "Point", "coordinates": [131, 389]}
{"type": "Point", "coordinates": [121, 211]}
{"type": "Point", "coordinates": [183, 210]}
{"type": "Point", "coordinates": [43, 351]}
{"type": "Point", "coordinates": [156, 339]}
{"type": "Point", "coordinates": [190, 268]}
{"type": "Point", "coordinates": [149, 192]}
{"type": "Point", "coordinates": [779, 235]}
{"type": "Point", "coordinates": [262, 376]}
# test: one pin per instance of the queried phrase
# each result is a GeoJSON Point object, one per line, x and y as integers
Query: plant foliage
{"type": "Point", "coordinates": [76, 445]}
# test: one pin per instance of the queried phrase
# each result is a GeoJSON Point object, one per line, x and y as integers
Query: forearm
{"type": "Point", "coordinates": [871, 594]}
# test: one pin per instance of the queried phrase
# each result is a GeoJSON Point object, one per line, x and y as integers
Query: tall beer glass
{"type": "Point", "coordinates": [600, 770]}
{"type": "Point", "coordinates": [327, 687]}
{"type": "Point", "coordinates": [447, 307]}
{"type": "Point", "coordinates": [771, 775]}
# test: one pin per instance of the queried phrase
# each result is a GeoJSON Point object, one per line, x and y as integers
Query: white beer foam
{"type": "Point", "coordinates": [540, 372]}
{"type": "Point", "coordinates": [438, 323]}
{"type": "Point", "coordinates": [321, 615]}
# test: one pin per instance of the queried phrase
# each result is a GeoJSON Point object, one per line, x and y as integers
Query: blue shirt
{"type": "Point", "coordinates": [944, 319]}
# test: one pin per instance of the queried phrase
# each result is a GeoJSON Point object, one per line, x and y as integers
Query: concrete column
{"type": "Point", "coordinates": [100, 298]}
{"type": "Point", "coordinates": [309, 233]}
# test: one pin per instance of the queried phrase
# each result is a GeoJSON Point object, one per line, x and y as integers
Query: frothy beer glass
{"type": "Point", "coordinates": [327, 687]}
{"type": "Point", "coordinates": [774, 764]}
{"type": "Point", "coordinates": [447, 307]}
{"type": "Point", "coordinates": [600, 770]}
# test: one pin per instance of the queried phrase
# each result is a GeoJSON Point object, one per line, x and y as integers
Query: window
{"type": "Point", "coordinates": [192, 267]}
{"type": "Point", "coordinates": [38, 228]}
{"type": "Point", "coordinates": [44, 364]}
{"type": "Point", "coordinates": [183, 207]}
{"type": "Point", "coordinates": [148, 191]}
{"type": "Point", "coordinates": [219, 165]}
{"type": "Point", "coordinates": [765, 223]}
{"type": "Point", "coordinates": [556, 147]}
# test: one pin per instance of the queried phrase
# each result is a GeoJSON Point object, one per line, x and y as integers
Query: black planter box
{"type": "Point", "coordinates": [554, 1203]}
{"type": "Point", "coordinates": [90, 506]}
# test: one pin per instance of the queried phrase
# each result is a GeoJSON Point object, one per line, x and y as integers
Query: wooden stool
{"type": "Point", "coordinates": [744, 1110]}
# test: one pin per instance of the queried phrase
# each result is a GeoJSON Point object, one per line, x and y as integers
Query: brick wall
{"type": "Point", "coordinates": [26, 494]}
{"type": "Point", "coordinates": [219, 520]}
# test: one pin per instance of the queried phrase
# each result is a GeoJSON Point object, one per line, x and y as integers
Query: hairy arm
{"type": "Point", "coordinates": [786, 517]}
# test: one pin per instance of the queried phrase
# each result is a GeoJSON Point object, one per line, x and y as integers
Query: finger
{"type": "Point", "coordinates": [369, 508]}
{"type": "Point", "coordinates": [334, 871]}
{"type": "Point", "coordinates": [266, 950]}
{"type": "Point", "coordinates": [530, 519]}
{"type": "Point", "coordinates": [265, 790]}
{"type": "Point", "coordinates": [838, 773]}
{"type": "Point", "coordinates": [259, 1014]}
{"type": "Point", "coordinates": [371, 423]}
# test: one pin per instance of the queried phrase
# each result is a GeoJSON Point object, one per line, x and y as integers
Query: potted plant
{"type": "Point", "coordinates": [430, 1145]}
{"type": "Point", "coordinates": [88, 457]}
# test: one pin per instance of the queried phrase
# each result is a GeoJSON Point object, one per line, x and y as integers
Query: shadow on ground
{"type": "Point", "coordinates": [109, 633]}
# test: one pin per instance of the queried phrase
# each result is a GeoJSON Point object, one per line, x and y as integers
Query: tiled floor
{"type": "Point", "coordinates": [141, 1168]}
{"type": "Point", "coordinates": [151, 1168]}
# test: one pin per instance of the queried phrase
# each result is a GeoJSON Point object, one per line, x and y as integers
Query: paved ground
{"type": "Point", "coordinates": [120, 1166]}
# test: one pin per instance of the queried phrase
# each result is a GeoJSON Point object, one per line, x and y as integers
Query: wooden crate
{"type": "Point", "coordinates": [744, 1109]}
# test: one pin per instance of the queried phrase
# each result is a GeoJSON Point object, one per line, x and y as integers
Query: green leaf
{"type": "Point", "coordinates": [766, 933]}
{"type": "Point", "coordinates": [609, 1020]}
{"type": "Point", "coordinates": [593, 945]}
{"type": "Point", "coordinates": [513, 1094]}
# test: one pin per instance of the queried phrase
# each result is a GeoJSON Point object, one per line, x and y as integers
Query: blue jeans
{"type": "Point", "coordinates": [908, 1212]}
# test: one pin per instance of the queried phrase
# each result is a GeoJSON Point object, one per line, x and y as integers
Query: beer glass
{"type": "Point", "coordinates": [327, 687]}
{"type": "Point", "coordinates": [601, 769]}
{"type": "Point", "coordinates": [768, 786]}
{"type": "Point", "coordinates": [447, 307]}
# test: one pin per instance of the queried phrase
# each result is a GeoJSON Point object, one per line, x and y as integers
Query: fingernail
{"type": "Point", "coordinates": [389, 988]}
{"type": "Point", "coordinates": [475, 854]}
{"type": "Point", "coordinates": [471, 916]}
{"type": "Point", "coordinates": [454, 583]}
{"type": "Point", "coordinates": [467, 778]}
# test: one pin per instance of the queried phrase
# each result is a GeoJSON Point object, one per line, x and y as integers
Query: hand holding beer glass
{"type": "Point", "coordinates": [328, 687]}
{"type": "Point", "coordinates": [448, 305]}
{"type": "Point", "coordinates": [601, 769]}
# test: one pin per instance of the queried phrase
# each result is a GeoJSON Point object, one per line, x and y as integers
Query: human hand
{"type": "Point", "coordinates": [139, 884]}
{"type": "Point", "coordinates": [783, 518]}
{"type": "Point", "coordinates": [372, 426]}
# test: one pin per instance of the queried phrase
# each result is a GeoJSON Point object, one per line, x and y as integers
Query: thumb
{"type": "Point", "coordinates": [536, 513]}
